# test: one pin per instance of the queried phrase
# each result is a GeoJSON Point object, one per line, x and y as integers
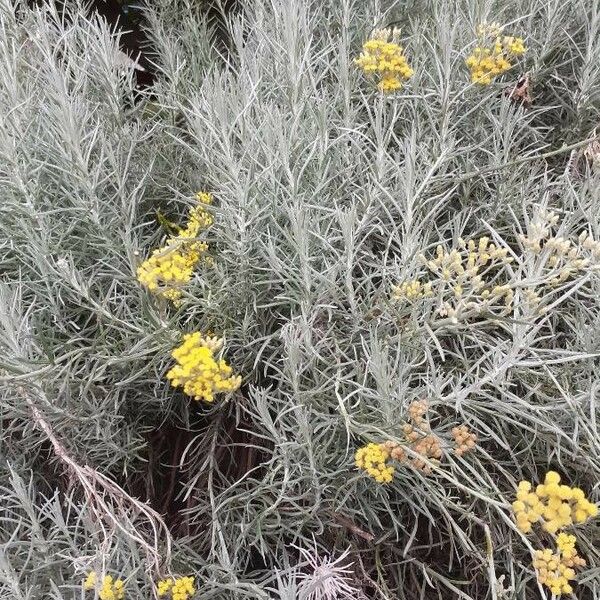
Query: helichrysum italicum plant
{"type": "Point", "coordinates": [383, 59]}
{"type": "Point", "coordinates": [493, 54]}
{"type": "Point", "coordinates": [199, 370]}
{"type": "Point", "coordinates": [326, 199]}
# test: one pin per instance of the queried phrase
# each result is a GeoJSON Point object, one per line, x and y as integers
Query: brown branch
{"type": "Point", "coordinates": [97, 486]}
{"type": "Point", "coordinates": [351, 526]}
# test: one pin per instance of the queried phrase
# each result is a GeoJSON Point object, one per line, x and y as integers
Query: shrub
{"type": "Point", "coordinates": [326, 194]}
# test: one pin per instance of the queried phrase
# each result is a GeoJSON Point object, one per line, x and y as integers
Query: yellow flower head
{"type": "Point", "coordinates": [554, 505]}
{"type": "Point", "coordinates": [179, 588]}
{"type": "Point", "coordinates": [110, 589]}
{"type": "Point", "coordinates": [171, 267]}
{"type": "Point", "coordinates": [199, 371]}
{"type": "Point", "coordinates": [372, 459]}
{"type": "Point", "coordinates": [493, 54]}
{"type": "Point", "coordinates": [556, 569]}
{"type": "Point", "coordinates": [383, 58]}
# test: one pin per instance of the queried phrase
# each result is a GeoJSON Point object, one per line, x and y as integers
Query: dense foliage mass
{"type": "Point", "coordinates": [315, 316]}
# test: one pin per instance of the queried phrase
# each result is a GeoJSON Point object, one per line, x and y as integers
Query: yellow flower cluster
{"type": "Point", "coordinates": [111, 589]}
{"type": "Point", "coordinates": [199, 371]}
{"type": "Point", "coordinates": [493, 54]}
{"type": "Point", "coordinates": [557, 569]}
{"type": "Point", "coordinates": [556, 505]}
{"type": "Point", "coordinates": [372, 458]}
{"type": "Point", "coordinates": [383, 58]}
{"type": "Point", "coordinates": [171, 267]}
{"type": "Point", "coordinates": [180, 588]}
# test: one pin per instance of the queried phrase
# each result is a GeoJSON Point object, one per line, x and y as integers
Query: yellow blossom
{"type": "Point", "coordinates": [179, 588]}
{"type": "Point", "coordinates": [556, 569]}
{"type": "Point", "coordinates": [383, 58]}
{"type": "Point", "coordinates": [171, 267]}
{"type": "Point", "coordinates": [493, 54]}
{"type": "Point", "coordinates": [200, 372]}
{"type": "Point", "coordinates": [110, 589]}
{"type": "Point", "coordinates": [557, 506]}
{"type": "Point", "coordinates": [372, 458]}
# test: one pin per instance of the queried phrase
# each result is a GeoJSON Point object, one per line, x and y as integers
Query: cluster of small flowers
{"type": "Point", "coordinates": [412, 289]}
{"type": "Point", "coordinates": [372, 458]}
{"type": "Point", "coordinates": [418, 433]}
{"type": "Point", "coordinates": [464, 439]}
{"type": "Point", "coordinates": [383, 57]}
{"type": "Point", "coordinates": [199, 370]}
{"type": "Point", "coordinates": [493, 54]}
{"type": "Point", "coordinates": [557, 569]}
{"type": "Point", "coordinates": [561, 258]}
{"type": "Point", "coordinates": [171, 267]}
{"type": "Point", "coordinates": [111, 589]}
{"type": "Point", "coordinates": [180, 588]}
{"type": "Point", "coordinates": [463, 274]}
{"type": "Point", "coordinates": [556, 505]}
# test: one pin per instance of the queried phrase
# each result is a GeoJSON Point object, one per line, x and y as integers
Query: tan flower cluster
{"type": "Point", "coordinates": [417, 411]}
{"type": "Point", "coordinates": [418, 433]}
{"type": "Point", "coordinates": [464, 439]}
{"type": "Point", "coordinates": [420, 448]}
{"type": "Point", "coordinates": [395, 450]}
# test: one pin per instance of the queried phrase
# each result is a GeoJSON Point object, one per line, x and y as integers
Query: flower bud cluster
{"type": "Point", "coordinates": [474, 279]}
{"type": "Point", "coordinates": [421, 446]}
{"type": "Point", "coordinates": [422, 441]}
{"type": "Point", "coordinates": [560, 258]}
{"type": "Point", "coordinates": [412, 289]}
{"type": "Point", "coordinates": [464, 439]}
{"type": "Point", "coordinates": [463, 280]}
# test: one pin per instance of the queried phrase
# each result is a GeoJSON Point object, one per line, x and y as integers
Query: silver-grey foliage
{"type": "Point", "coordinates": [326, 193]}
